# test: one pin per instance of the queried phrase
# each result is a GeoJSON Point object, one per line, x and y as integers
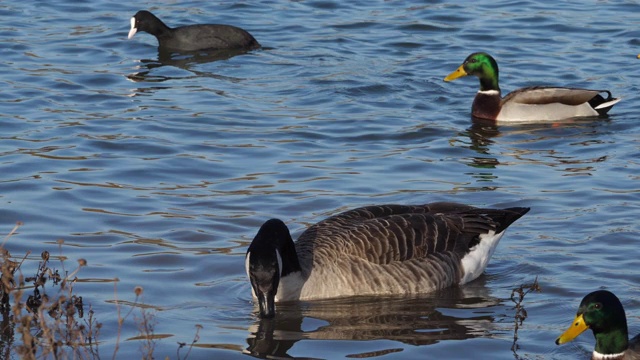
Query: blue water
{"type": "Point", "coordinates": [159, 171]}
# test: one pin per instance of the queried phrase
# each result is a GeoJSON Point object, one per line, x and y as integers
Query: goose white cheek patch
{"type": "Point", "coordinates": [133, 28]}
{"type": "Point", "coordinates": [246, 266]}
{"type": "Point", "coordinates": [279, 258]}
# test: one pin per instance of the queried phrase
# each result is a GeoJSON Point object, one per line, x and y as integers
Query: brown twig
{"type": "Point", "coordinates": [521, 312]}
{"type": "Point", "coordinates": [196, 338]}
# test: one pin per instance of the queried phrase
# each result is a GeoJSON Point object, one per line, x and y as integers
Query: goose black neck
{"type": "Point", "coordinates": [274, 235]}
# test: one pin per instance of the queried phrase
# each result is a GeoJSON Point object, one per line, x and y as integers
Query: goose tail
{"type": "Point", "coordinates": [475, 261]}
{"type": "Point", "coordinates": [508, 217]}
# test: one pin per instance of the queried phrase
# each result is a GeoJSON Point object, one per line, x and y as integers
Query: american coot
{"type": "Point", "coordinates": [192, 37]}
{"type": "Point", "coordinates": [527, 104]}
{"type": "Point", "coordinates": [375, 250]}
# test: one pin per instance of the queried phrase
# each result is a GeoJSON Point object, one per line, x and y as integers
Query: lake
{"type": "Point", "coordinates": [159, 170]}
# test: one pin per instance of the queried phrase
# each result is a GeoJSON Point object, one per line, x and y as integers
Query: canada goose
{"type": "Point", "coordinates": [530, 103]}
{"type": "Point", "coordinates": [602, 312]}
{"type": "Point", "coordinates": [373, 250]}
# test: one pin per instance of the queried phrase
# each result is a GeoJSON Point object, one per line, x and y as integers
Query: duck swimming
{"type": "Point", "coordinates": [537, 103]}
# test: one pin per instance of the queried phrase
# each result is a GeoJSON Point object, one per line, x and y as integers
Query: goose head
{"type": "Point", "coordinates": [270, 257]}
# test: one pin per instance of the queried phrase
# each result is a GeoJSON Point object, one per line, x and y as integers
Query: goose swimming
{"type": "Point", "coordinates": [375, 250]}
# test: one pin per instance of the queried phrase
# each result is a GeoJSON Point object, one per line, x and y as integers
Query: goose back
{"type": "Point", "coordinates": [391, 249]}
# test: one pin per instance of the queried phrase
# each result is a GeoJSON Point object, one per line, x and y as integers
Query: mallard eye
{"type": "Point", "coordinates": [597, 306]}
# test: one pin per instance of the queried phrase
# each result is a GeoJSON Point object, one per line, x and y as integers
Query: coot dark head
{"type": "Point", "coordinates": [192, 37]}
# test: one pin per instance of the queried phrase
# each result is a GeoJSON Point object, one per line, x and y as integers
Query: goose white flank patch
{"type": "Point", "coordinates": [375, 250]}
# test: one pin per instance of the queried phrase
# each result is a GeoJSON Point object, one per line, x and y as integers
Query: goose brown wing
{"type": "Point", "coordinates": [386, 233]}
{"type": "Point", "coordinates": [387, 239]}
{"type": "Point", "coordinates": [355, 216]}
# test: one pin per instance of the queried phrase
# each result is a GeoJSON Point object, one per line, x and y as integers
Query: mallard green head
{"type": "Point", "coordinates": [482, 65]}
{"type": "Point", "coordinates": [602, 312]}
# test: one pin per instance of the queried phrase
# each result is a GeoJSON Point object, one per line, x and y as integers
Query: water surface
{"type": "Point", "coordinates": [159, 170]}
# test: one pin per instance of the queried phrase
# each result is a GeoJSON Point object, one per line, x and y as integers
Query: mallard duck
{"type": "Point", "coordinates": [375, 250]}
{"type": "Point", "coordinates": [192, 37]}
{"type": "Point", "coordinates": [602, 312]}
{"type": "Point", "coordinates": [530, 103]}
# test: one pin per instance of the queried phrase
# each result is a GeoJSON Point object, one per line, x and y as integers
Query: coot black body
{"type": "Point", "coordinates": [192, 37]}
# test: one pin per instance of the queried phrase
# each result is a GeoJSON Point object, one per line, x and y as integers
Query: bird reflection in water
{"type": "Point", "coordinates": [184, 60]}
{"type": "Point", "coordinates": [415, 321]}
{"type": "Point", "coordinates": [558, 144]}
